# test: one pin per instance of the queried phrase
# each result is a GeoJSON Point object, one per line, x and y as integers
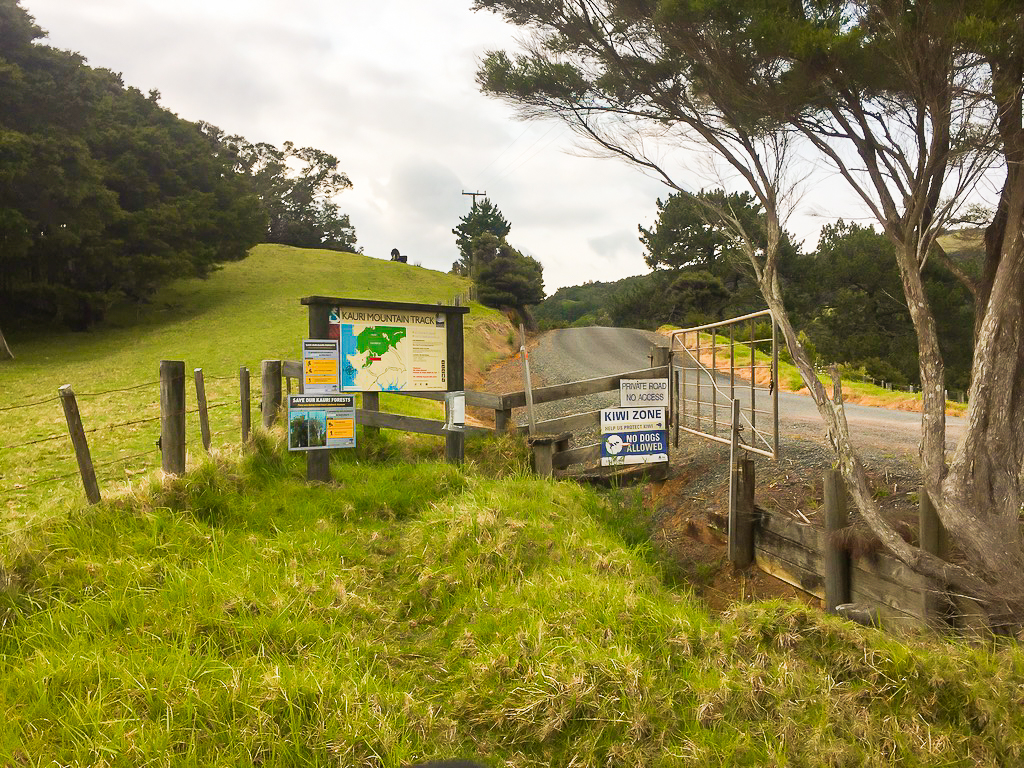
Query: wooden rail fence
{"type": "Point", "coordinates": [551, 447]}
{"type": "Point", "coordinates": [278, 377]}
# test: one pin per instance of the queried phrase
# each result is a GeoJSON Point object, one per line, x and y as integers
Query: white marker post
{"type": "Point", "coordinates": [526, 377]}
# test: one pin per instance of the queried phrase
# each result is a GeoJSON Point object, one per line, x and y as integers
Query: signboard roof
{"type": "Point", "coordinates": [336, 301]}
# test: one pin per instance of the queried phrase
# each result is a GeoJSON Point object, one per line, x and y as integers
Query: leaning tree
{"type": "Point", "coordinates": [918, 107]}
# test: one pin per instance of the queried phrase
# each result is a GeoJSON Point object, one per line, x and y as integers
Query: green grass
{"type": "Point", "coordinates": [247, 312]}
{"type": "Point", "coordinates": [238, 616]}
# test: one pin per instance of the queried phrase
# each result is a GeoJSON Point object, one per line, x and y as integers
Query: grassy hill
{"type": "Point", "coordinates": [247, 312]}
{"type": "Point", "coordinates": [966, 246]}
{"type": "Point", "coordinates": [238, 616]}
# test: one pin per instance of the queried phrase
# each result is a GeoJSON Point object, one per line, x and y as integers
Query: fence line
{"type": "Point", "coordinates": [114, 391]}
{"type": "Point", "coordinates": [29, 405]}
{"type": "Point", "coordinates": [369, 416]}
{"type": "Point", "coordinates": [88, 470]}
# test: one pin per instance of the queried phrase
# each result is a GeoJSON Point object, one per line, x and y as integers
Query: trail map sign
{"type": "Point", "coordinates": [317, 422]}
{"type": "Point", "coordinates": [390, 346]}
{"type": "Point", "coordinates": [384, 350]}
{"type": "Point", "coordinates": [633, 436]}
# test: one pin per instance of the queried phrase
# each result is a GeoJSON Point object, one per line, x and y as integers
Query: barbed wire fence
{"type": "Point", "coordinates": [42, 457]}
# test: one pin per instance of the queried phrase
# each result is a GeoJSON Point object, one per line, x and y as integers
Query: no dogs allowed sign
{"type": "Point", "coordinates": [633, 436]}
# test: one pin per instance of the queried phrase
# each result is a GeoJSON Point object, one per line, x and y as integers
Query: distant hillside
{"type": "Point", "coordinates": [965, 245]}
{"type": "Point", "coordinates": [587, 304]}
{"type": "Point", "coordinates": [244, 313]}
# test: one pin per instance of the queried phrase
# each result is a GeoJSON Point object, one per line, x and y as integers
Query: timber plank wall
{"type": "Point", "coordinates": [794, 553]}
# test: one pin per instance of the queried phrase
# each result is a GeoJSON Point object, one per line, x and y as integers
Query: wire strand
{"type": "Point", "coordinates": [31, 442]}
{"type": "Point", "coordinates": [122, 424]}
{"type": "Point", "coordinates": [30, 405]}
{"type": "Point", "coordinates": [37, 482]}
{"type": "Point", "coordinates": [112, 391]}
{"type": "Point", "coordinates": [126, 458]}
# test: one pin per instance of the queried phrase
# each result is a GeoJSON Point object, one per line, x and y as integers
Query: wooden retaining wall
{"type": "Point", "coordinates": [794, 552]}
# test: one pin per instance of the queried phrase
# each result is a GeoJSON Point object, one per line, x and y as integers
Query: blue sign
{"type": "Point", "coordinates": [643, 447]}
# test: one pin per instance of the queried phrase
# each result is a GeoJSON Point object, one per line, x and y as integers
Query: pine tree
{"type": "Point", "coordinates": [482, 217]}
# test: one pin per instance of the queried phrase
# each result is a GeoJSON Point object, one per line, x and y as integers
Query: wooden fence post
{"type": "Point", "coordinates": [455, 442]}
{"type": "Point", "coordinates": [544, 448]}
{"type": "Point", "coordinates": [371, 402]}
{"type": "Point", "coordinates": [270, 404]}
{"type": "Point", "coordinates": [502, 419]}
{"type": "Point", "coordinates": [245, 402]}
{"type": "Point", "coordinates": [81, 445]}
{"type": "Point", "coordinates": [734, 483]}
{"type": "Point", "coordinates": [742, 549]}
{"type": "Point", "coordinates": [172, 416]}
{"type": "Point", "coordinates": [837, 559]}
{"type": "Point", "coordinates": [204, 416]}
{"type": "Point", "coordinates": [935, 541]}
{"type": "Point", "coordinates": [659, 356]}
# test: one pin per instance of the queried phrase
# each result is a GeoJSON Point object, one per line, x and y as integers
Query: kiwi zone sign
{"type": "Point", "coordinates": [633, 436]}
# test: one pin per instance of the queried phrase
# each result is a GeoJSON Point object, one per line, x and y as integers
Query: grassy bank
{"type": "Point", "coordinates": [238, 616]}
{"type": "Point", "coordinates": [247, 312]}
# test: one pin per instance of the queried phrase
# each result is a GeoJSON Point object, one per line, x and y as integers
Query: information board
{"type": "Point", "coordinates": [320, 372]}
{"type": "Point", "coordinates": [390, 350]}
{"type": "Point", "coordinates": [319, 422]}
{"type": "Point", "coordinates": [633, 436]}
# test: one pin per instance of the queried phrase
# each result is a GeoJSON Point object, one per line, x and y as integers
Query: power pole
{"type": "Point", "coordinates": [474, 196]}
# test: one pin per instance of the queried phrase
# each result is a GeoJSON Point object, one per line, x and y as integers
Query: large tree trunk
{"type": "Point", "coordinates": [1002, 597]}
{"type": "Point", "coordinates": [5, 351]}
{"type": "Point", "coordinates": [983, 494]}
{"type": "Point", "coordinates": [984, 490]}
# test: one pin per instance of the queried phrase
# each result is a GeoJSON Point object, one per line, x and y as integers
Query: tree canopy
{"type": "Point", "coordinates": [482, 217]}
{"type": "Point", "coordinates": [106, 195]}
{"type": "Point", "coordinates": [504, 276]}
{"type": "Point", "coordinates": [103, 193]}
{"type": "Point", "coordinates": [916, 106]}
{"type": "Point", "coordinates": [296, 187]}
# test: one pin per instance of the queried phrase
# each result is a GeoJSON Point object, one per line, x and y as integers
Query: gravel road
{"type": "Point", "coordinates": [572, 354]}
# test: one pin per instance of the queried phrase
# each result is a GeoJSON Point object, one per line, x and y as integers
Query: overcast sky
{"type": "Point", "coordinates": [389, 88]}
